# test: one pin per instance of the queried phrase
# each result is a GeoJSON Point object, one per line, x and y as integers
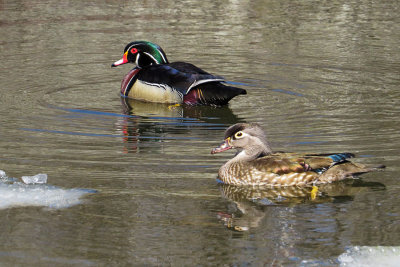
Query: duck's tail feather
{"type": "Point", "coordinates": [346, 169]}
{"type": "Point", "coordinates": [218, 93]}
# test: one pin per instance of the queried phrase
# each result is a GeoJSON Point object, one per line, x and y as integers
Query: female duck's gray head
{"type": "Point", "coordinates": [249, 137]}
{"type": "Point", "coordinates": [143, 54]}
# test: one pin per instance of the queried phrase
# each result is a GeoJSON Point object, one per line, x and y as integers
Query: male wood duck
{"type": "Point", "coordinates": [256, 164]}
{"type": "Point", "coordinates": [154, 79]}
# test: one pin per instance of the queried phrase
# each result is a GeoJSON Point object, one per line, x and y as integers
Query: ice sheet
{"type": "Point", "coordinates": [370, 256]}
{"type": "Point", "coordinates": [40, 178]}
{"type": "Point", "coordinates": [17, 194]}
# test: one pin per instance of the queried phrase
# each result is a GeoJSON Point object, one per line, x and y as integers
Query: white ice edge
{"type": "Point", "coordinates": [34, 192]}
{"type": "Point", "coordinates": [365, 256]}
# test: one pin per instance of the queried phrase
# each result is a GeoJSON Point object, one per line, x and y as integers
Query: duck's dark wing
{"type": "Point", "coordinates": [188, 68]}
{"type": "Point", "coordinates": [210, 90]}
{"type": "Point", "coordinates": [181, 77]}
{"type": "Point", "coordinates": [215, 93]}
{"type": "Point", "coordinates": [195, 85]}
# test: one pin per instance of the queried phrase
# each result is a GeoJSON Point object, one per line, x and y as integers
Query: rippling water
{"type": "Point", "coordinates": [320, 77]}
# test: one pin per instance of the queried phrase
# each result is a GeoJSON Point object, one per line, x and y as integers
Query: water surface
{"type": "Point", "coordinates": [321, 77]}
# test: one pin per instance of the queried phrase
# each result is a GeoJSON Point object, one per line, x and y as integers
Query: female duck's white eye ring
{"type": "Point", "coordinates": [239, 134]}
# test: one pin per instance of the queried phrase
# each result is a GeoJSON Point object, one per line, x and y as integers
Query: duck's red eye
{"type": "Point", "coordinates": [133, 50]}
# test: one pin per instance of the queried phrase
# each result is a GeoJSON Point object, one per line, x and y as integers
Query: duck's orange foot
{"type": "Point", "coordinates": [174, 106]}
{"type": "Point", "coordinates": [314, 192]}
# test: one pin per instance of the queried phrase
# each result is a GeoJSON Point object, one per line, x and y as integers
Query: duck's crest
{"type": "Point", "coordinates": [234, 128]}
{"type": "Point", "coordinates": [150, 49]}
{"type": "Point", "coordinates": [239, 127]}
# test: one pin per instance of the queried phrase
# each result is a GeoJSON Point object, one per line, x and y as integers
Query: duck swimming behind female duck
{"type": "Point", "coordinates": [256, 164]}
{"type": "Point", "coordinates": [154, 79]}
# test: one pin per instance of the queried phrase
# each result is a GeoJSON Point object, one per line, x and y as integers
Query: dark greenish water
{"type": "Point", "coordinates": [321, 77]}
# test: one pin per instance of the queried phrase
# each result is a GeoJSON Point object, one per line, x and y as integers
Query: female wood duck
{"type": "Point", "coordinates": [256, 164]}
{"type": "Point", "coordinates": [154, 79]}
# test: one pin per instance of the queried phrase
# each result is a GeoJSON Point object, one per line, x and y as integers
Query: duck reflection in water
{"type": "Point", "coordinates": [147, 122]}
{"type": "Point", "coordinates": [248, 205]}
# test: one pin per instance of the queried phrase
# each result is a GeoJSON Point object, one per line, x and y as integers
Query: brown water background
{"type": "Point", "coordinates": [321, 76]}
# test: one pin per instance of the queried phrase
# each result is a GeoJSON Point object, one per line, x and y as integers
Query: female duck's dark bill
{"type": "Point", "coordinates": [222, 147]}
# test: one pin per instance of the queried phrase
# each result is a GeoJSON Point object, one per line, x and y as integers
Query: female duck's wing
{"type": "Point", "coordinates": [332, 167]}
{"type": "Point", "coordinates": [281, 163]}
{"type": "Point", "coordinates": [320, 162]}
{"type": "Point", "coordinates": [316, 162]}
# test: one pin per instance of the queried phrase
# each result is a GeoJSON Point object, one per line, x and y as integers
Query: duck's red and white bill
{"type": "Point", "coordinates": [123, 60]}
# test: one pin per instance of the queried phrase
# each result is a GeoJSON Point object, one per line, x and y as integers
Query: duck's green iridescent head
{"type": "Point", "coordinates": [143, 54]}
